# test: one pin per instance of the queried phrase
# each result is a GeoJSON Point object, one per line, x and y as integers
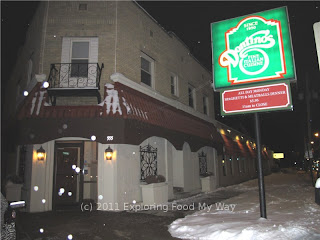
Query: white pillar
{"type": "Point", "coordinates": [107, 181]}
{"type": "Point", "coordinates": [42, 179]}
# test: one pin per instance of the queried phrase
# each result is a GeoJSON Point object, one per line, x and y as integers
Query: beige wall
{"type": "Point", "coordinates": [170, 55]}
{"type": "Point", "coordinates": [65, 20]}
{"type": "Point", "coordinates": [125, 27]}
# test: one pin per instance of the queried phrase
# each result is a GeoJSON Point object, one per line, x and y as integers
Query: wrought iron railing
{"type": "Point", "coordinates": [202, 163]}
{"type": "Point", "coordinates": [148, 161]}
{"type": "Point", "coordinates": [75, 75]}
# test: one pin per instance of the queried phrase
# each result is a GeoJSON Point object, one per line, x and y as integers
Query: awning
{"type": "Point", "coordinates": [126, 114]}
{"type": "Point", "coordinates": [238, 148]}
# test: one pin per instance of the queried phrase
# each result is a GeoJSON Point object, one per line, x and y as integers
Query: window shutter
{"type": "Point", "coordinates": [65, 53]}
{"type": "Point", "coordinates": [65, 58]}
{"type": "Point", "coordinates": [93, 58]}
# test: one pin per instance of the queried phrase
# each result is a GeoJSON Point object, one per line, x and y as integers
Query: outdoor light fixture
{"type": "Point", "coordinates": [41, 154]}
{"type": "Point", "coordinates": [316, 134]}
{"type": "Point", "coordinates": [108, 153]}
{"type": "Point", "coordinates": [312, 142]}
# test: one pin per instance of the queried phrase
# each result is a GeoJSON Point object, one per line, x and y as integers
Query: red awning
{"type": "Point", "coordinates": [133, 108]}
{"type": "Point", "coordinates": [238, 148]}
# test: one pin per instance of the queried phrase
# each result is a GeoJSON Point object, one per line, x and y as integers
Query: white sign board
{"type": "Point", "coordinates": [316, 29]}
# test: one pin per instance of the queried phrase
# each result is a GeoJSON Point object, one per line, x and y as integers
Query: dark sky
{"type": "Point", "coordinates": [15, 17]}
{"type": "Point", "coordinates": [283, 131]}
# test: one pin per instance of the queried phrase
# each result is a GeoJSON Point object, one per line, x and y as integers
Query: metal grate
{"type": "Point", "coordinates": [203, 163]}
{"type": "Point", "coordinates": [148, 161]}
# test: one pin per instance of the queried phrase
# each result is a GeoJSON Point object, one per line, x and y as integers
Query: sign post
{"type": "Point", "coordinates": [253, 63]}
{"type": "Point", "coordinates": [263, 209]}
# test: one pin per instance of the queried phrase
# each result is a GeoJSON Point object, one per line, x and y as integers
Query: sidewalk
{"type": "Point", "coordinates": [97, 225]}
{"type": "Point", "coordinates": [291, 213]}
{"type": "Point", "coordinates": [290, 208]}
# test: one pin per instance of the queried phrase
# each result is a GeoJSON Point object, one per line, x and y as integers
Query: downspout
{"type": "Point", "coordinates": [44, 31]}
{"type": "Point", "coordinates": [116, 40]}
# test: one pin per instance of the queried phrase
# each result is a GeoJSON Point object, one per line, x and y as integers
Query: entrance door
{"type": "Point", "coordinates": [68, 174]}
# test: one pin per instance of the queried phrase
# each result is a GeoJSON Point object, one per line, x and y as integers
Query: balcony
{"type": "Point", "coordinates": [74, 79]}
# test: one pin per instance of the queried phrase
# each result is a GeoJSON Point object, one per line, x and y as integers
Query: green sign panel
{"type": "Point", "coordinates": [253, 48]}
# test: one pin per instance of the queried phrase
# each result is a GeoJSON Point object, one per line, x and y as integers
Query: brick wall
{"type": "Point", "coordinates": [170, 55]}
{"type": "Point", "coordinates": [124, 31]}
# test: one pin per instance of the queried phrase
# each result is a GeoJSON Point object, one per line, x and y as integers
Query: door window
{"type": "Point", "coordinates": [79, 59]}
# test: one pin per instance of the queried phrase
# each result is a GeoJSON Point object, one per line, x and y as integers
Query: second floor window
{"type": "Point", "coordinates": [147, 65]}
{"type": "Point", "coordinates": [79, 59]}
{"type": "Point", "coordinates": [205, 105]}
{"type": "Point", "coordinates": [174, 84]}
{"type": "Point", "coordinates": [191, 94]}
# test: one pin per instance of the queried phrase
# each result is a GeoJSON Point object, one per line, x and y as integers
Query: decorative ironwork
{"type": "Point", "coordinates": [74, 79]}
{"type": "Point", "coordinates": [148, 161]}
{"type": "Point", "coordinates": [203, 163]}
{"type": "Point", "coordinates": [75, 75]}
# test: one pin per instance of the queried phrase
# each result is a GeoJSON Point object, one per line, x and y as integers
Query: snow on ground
{"type": "Point", "coordinates": [291, 213]}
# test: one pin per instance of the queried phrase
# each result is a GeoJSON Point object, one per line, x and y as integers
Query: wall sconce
{"type": "Point", "coordinates": [41, 153]}
{"type": "Point", "coordinates": [108, 153]}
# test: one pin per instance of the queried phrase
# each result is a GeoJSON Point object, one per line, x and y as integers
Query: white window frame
{"type": "Point", "coordinates": [151, 61]}
{"type": "Point", "coordinates": [205, 103]}
{"type": "Point", "coordinates": [66, 57]}
{"type": "Point", "coordinates": [175, 84]}
{"type": "Point", "coordinates": [193, 92]}
{"type": "Point", "coordinates": [71, 46]}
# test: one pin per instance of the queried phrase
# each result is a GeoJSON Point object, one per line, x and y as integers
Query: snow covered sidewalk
{"type": "Point", "coordinates": [291, 213]}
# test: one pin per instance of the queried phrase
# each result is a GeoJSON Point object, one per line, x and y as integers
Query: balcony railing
{"type": "Point", "coordinates": [70, 79]}
{"type": "Point", "coordinates": [75, 75]}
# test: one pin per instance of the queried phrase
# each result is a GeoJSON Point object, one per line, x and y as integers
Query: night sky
{"type": "Point", "coordinates": [283, 131]}
{"type": "Point", "coordinates": [190, 21]}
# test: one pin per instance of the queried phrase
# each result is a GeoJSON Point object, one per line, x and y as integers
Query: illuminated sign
{"type": "Point", "coordinates": [278, 155]}
{"type": "Point", "coordinates": [253, 48]}
{"type": "Point", "coordinates": [267, 97]}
